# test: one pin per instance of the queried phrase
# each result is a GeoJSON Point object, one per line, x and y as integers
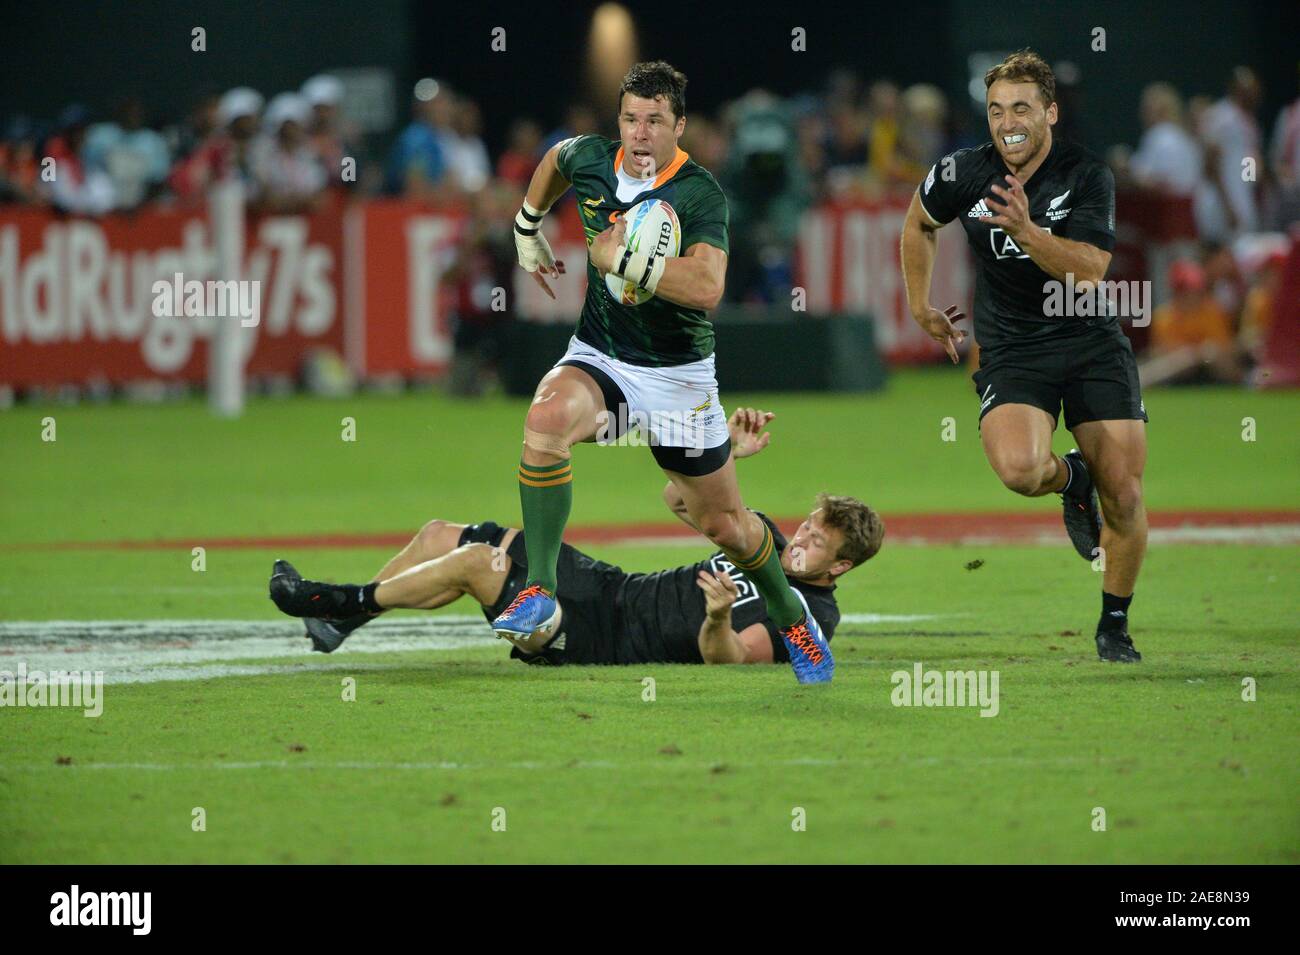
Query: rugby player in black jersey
{"type": "Point", "coordinates": [1040, 217]}
{"type": "Point", "coordinates": [705, 612]}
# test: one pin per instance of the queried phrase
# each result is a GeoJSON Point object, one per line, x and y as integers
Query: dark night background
{"type": "Point", "coordinates": [55, 53]}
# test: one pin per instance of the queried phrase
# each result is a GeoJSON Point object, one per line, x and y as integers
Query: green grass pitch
{"type": "Point", "coordinates": [456, 754]}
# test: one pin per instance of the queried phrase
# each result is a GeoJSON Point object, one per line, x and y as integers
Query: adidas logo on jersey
{"type": "Point", "coordinates": [980, 211]}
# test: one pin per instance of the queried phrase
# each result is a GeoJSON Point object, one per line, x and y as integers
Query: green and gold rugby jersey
{"type": "Point", "coordinates": [658, 332]}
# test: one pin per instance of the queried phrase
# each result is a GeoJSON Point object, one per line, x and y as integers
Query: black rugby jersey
{"type": "Point", "coordinates": [1072, 195]}
{"type": "Point", "coordinates": [660, 614]}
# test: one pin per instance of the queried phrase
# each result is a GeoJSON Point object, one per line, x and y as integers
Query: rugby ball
{"type": "Point", "coordinates": [652, 226]}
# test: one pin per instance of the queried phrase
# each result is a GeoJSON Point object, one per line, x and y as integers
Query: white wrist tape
{"type": "Point", "coordinates": [528, 220]}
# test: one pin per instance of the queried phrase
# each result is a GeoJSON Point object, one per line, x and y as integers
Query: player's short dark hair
{"type": "Point", "coordinates": [860, 525]}
{"type": "Point", "coordinates": [1025, 66]}
{"type": "Point", "coordinates": [656, 78]}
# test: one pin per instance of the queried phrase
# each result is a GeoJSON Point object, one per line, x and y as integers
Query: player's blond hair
{"type": "Point", "coordinates": [1025, 66]}
{"type": "Point", "coordinates": [861, 526]}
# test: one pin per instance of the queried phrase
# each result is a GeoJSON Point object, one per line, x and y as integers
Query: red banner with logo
{"type": "Point", "coordinates": [79, 300]}
{"type": "Point", "coordinates": [848, 262]}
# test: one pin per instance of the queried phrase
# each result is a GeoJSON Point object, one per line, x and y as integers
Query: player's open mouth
{"type": "Point", "coordinates": [1014, 140]}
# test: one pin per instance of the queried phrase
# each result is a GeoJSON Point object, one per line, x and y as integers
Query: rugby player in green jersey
{"type": "Point", "coordinates": [652, 363]}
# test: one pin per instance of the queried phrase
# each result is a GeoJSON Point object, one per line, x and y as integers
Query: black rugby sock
{"type": "Point", "coordinates": [1114, 613]}
{"type": "Point", "coordinates": [353, 599]}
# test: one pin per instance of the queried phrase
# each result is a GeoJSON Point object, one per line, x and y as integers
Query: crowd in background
{"type": "Point", "coordinates": [1243, 188]}
{"type": "Point", "coordinates": [774, 156]}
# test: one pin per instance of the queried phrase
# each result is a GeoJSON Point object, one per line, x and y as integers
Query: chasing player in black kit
{"type": "Point", "coordinates": [1040, 214]}
{"type": "Point", "coordinates": [706, 612]}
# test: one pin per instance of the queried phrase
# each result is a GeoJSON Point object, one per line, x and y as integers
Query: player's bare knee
{"type": "Point", "coordinates": [431, 539]}
{"type": "Point", "coordinates": [1021, 475]}
{"type": "Point", "coordinates": [552, 421]}
{"type": "Point", "coordinates": [548, 427]}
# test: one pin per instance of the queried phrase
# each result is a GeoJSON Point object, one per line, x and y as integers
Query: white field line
{"type": "Point", "coordinates": [894, 617]}
{"type": "Point", "coordinates": [148, 651]}
{"type": "Point", "coordinates": [1268, 535]}
{"type": "Point", "coordinates": [1278, 535]}
{"type": "Point", "coordinates": [151, 651]}
{"type": "Point", "coordinates": [638, 765]}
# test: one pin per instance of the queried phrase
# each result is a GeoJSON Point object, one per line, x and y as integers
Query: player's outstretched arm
{"type": "Point", "coordinates": [533, 251]}
{"type": "Point", "coordinates": [917, 251]}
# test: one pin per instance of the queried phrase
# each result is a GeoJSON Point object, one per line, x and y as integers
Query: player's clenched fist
{"type": "Point", "coordinates": [719, 593]}
{"type": "Point", "coordinates": [533, 250]}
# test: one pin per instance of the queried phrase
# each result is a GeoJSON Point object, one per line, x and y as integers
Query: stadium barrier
{"type": "Point", "coordinates": [367, 280]}
{"type": "Point", "coordinates": [756, 351]}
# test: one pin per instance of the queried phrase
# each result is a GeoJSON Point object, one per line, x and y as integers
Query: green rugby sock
{"type": "Point", "coordinates": [763, 567]}
{"type": "Point", "coordinates": [546, 493]}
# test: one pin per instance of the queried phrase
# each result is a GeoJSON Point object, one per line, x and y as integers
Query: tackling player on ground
{"type": "Point", "coordinates": [1035, 210]}
{"type": "Point", "coordinates": [654, 359]}
{"type": "Point", "coordinates": [706, 612]}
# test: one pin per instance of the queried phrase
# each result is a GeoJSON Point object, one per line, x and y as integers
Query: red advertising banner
{"type": "Point", "coordinates": [399, 309]}
{"type": "Point", "coordinates": [78, 301]}
{"type": "Point", "coordinates": [848, 262]}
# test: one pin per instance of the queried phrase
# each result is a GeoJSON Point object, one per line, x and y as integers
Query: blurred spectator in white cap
{"type": "Point", "coordinates": [328, 132]}
{"type": "Point", "coordinates": [226, 152]}
{"type": "Point", "coordinates": [323, 90]}
{"type": "Point", "coordinates": [134, 156]}
{"type": "Point", "coordinates": [238, 111]}
{"type": "Point", "coordinates": [1231, 136]}
{"type": "Point", "coordinates": [288, 172]}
